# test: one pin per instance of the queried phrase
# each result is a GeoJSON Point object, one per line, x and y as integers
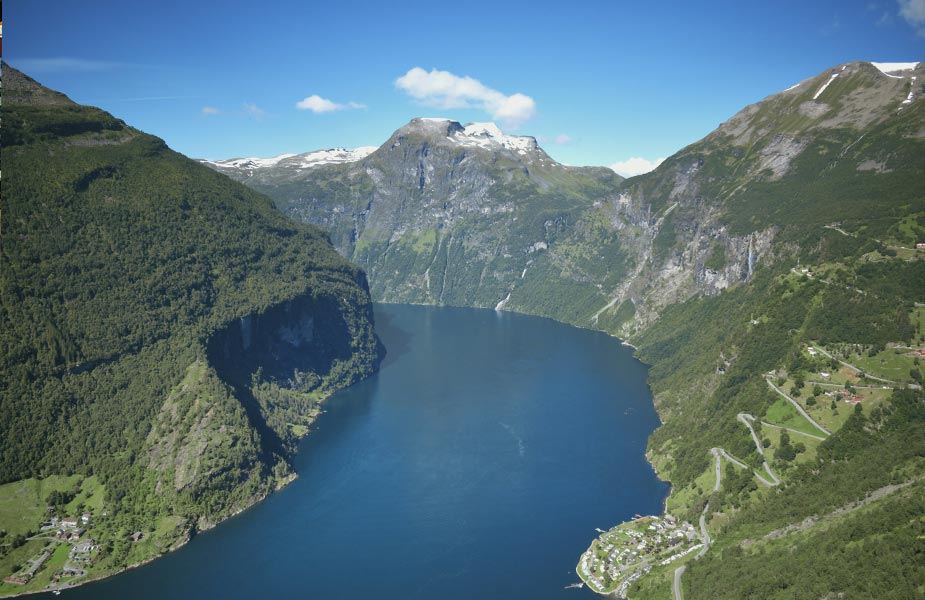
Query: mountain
{"type": "Point", "coordinates": [469, 216]}
{"type": "Point", "coordinates": [454, 215]}
{"type": "Point", "coordinates": [166, 335]}
{"type": "Point", "coordinates": [769, 267]}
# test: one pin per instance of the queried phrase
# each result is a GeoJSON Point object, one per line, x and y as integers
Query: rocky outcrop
{"type": "Point", "coordinates": [447, 214]}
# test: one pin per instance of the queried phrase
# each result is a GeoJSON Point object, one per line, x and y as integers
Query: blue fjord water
{"type": "Point", "coordinates": [476, 464]}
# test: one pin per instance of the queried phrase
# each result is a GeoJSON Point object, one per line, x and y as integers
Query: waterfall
{"type": "Point", "coordinates": [751, 256]}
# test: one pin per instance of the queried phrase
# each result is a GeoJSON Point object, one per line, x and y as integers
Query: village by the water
{"type": "Point", "coordinates": [628, 551]}
{"type": "Point", "coordinates": [67, 537]}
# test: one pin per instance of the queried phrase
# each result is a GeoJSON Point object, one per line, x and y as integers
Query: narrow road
{"type": "Point", "coordinates": [746, 419]}
{"type": "Point", "coordinates": [735, 460]}
{"type": "Point", "coordinates": [838, 229]}
{"type": "Point", "coordinates": [799, 408]}
{"type": "Point", "coordinates": [854, 368]}
{"type": "Point", "coordinates": [796, 431]}
{"type": "Point", "coordinates": [704, 534]}
{"type": "Point", "coordinates": [732, 458]}
{"type": "Point", "coordinates": [719, 471]}
{"type": "Point", "coordinates": [677, 582]}
{"type": "Point", "coordinates": [838, 385]}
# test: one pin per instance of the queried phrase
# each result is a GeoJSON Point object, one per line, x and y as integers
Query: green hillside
{"type": "Point", "coordinates": [768, 269]}
{"type": "Point", "coordinates": [124, 264]}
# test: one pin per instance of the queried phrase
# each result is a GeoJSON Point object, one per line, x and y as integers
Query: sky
{"type": "Point", "coordinates": [614, 83]}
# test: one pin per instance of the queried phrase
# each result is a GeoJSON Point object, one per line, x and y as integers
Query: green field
{"type": "Point", "coordinates": [784, 414]}
{"type": "Point", "coordinates": [22, 503]}
{"type": "Point", "coordinates": [891, 363]}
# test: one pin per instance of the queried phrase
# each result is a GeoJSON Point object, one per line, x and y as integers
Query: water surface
{"type": "Point", "coordinates": [476, 464]}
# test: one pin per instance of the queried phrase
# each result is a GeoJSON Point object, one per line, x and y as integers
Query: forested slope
{"type": "Point", "coordinates": [123, 266]}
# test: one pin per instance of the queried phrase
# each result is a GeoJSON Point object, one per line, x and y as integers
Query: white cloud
{"type": "Point", "coordinates": [208, 111]}
{"type": "Point", "coordinates": [254, 111]}
{"type": "Point", "coordinates": [562, 139]}
{"type": "Point", "coordinates": [444, 90]}
{"type": "Point", "coordinates": [913, 11]}
{"type": "Point", "coordinates": [318, 105]}
{"type": "Point", "coordinates": [635, 166]}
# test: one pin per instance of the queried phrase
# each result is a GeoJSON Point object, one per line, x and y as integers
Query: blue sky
{"type": "Point", "coordinates": [596, 82]}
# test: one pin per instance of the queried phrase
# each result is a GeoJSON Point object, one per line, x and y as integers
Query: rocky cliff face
{"type": "Point", "coordinates": [447, 214]}
{"type": "Point", "coordinates": [441, 213]}
{"type": "Point", "coordinates": [270, 369]}
{"type": "Point", "coordinates": [139, 288]}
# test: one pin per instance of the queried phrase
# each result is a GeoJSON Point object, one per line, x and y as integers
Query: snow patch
{"type": "Point", "coordinates": [793, 87]}
{"type": "Point", "coordinates": [887, 68]}
{"type": "Point", "coordinates": [299, 161]}
{"type": "Point", "coordinates": [908, 99]}
{"type": "Point", "coordinates": [334, 155]}
{"type": "Point", "coordinates": [825, 85]}
{"type": "Point", "coordinates": [249, 163]}
{"type": "Point", "coordinates": [489, 135]}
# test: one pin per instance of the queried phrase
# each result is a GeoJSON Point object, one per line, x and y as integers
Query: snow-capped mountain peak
{"type": "Point", "coordinates": [297, 161]}
{"type": "Point", "coordinates": [487, 135]}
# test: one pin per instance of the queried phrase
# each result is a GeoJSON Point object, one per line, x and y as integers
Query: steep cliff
{"type": "Point", "coordinates": [447, 214]}
{"type": "Point", "coordinates": [440, 213]}
{"type": "Point", "coordinates": [164, 330]}
{"type": "Point", "coordinates": [790, 231]}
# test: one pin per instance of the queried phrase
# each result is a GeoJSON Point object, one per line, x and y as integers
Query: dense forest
{"type": "Point", "coordinates": [122, 262]}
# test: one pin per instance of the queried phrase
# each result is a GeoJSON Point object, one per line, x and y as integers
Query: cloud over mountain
{"type": "Point", "coordinates": [635, 166]}
{"type": "Point", "coordinates": [442, 89]}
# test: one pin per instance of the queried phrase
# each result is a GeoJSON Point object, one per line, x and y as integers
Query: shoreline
{"type": "Point", "coordinates": [293, 476]}
{"type": "Point", "coordinates": [187, 537]}
{"type": "Point", "coordinates": [183, 542]}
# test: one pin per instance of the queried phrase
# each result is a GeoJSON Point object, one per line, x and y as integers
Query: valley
{"type": "Point", "coordinates": [769, 273]}
{"type": "Point", "coordinates": [171, 328]}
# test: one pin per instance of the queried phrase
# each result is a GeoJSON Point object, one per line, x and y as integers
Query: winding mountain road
{"type": "Point", "coordinates": [796, 431]}
{"type": "Point", "coordinates": [799, 408]}
{"type": "Point", "coordinates": [746, 419]}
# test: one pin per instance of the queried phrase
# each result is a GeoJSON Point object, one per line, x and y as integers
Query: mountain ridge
{"type": "Point", "coordinates": [133, 282]}
{"type": "Point", "coordinates": [792, 226]}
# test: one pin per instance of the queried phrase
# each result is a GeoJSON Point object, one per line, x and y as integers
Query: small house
{"type": "Point", "coordinates": [69, 522]}
{"type": "Point", "coordinates": [137, 536]}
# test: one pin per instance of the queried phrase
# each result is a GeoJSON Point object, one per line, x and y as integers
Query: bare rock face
{"type": "Point", "coordinates": [443, 213]}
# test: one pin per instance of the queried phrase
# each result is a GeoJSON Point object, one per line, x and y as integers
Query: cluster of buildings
{"type": "Point", "coordinates": [844, 395]}
{"type": "Point", "coordinates": [623, 554]}
{"type": "Point", "coordinates": [68, 529]}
